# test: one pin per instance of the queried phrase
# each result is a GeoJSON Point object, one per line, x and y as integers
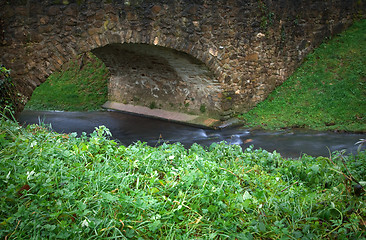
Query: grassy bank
{"type": "Point", "coordinates": [328, 92]}
{"type": "Point", "coordinates": [67, 187]}
{"type": "Point", "coordinates": [81, 86]}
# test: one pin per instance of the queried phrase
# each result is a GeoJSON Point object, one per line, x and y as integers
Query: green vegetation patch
{"type": "Point", "coordinates": [328, 92]}
{"type": "Point", "coordinates": [7, 91]}
{"type": "Point", "coordinates": [80, 87]}
{"type": "Point", "coordinates": [68, 187]}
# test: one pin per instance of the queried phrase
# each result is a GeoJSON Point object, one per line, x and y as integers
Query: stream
{"type": "Point", "coordinates": [128, 129]}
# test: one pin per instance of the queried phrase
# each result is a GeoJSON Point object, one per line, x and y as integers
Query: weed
{"type": "Point", "coordinates": [152, 105]}
{"type": "Point", "coordinates": [63, 186]}
{"type": "Point", "coordinates": [203, 108]}
{"type": "Point", "coordinates": [360, 144]}
{"type": "Point", "coordinates": [7, 91]}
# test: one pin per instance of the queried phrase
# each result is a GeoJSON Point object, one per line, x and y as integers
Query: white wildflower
{"type": "Point", "coordinates": [85, 223]}
{"type": "Point", "coordinates": [30, 174]}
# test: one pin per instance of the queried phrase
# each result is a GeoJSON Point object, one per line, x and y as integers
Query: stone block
{"type": "Point", "coordinates": [93, 31]}
{"type": "Point", "coordinates": [71, 10]}
{"type": "Point", "coordinates": [253, 57]}
{"type": "Point", "coordinates": [70, 21]}
{"type": "Point", "coordinates": [45, 29]}
{"type": "Point", "coordinates": [156, 9]}
{"type": "Point", "coordinates": [99, 15]}
{"type": "Point", "coordinates": [20, 10]}
{"type": "Point", "coordinates": [44, 20]}
{"type": "Point", "coordinates": [54, 10]}
{"type": "Point", "coordinates": [97, 40]}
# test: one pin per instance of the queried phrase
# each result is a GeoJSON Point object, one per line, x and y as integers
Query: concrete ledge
{"type": "Point", "coordinates": [178, 117]}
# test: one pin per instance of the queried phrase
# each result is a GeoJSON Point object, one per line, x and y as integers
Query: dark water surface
{"type": "Point", "coordinates": [129, 129]}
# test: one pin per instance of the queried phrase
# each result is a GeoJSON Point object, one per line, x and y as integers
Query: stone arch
{"type": "Point", "coordinates": [206, 54]}
{"type": "Point", "coordinates": [61, 51]}
{"type": "Point", "coordinates": [198, 92]}
{"type": "Point", "coordinates": [155, 76]}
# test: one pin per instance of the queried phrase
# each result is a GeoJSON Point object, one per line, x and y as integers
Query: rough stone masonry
{"type": "Point", "coordinates": [213, 57]}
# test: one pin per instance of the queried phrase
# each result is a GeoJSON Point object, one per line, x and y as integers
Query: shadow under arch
{"type": "Point", "coordinates": [160, 77]}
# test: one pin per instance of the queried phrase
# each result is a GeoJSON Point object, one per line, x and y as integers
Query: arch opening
{"type": "Point", "coordinates": [160, 77]}
{"type": "Point", "coordinates": [79, 85]}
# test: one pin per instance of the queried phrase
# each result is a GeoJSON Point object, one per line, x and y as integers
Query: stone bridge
{"type": "Point", "coordinates": [210, 57]}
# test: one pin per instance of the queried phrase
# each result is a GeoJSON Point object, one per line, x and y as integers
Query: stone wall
{"type": "Point", "coordinates": [160, 77]}
{"type": "Point", "coordinates": [250, 46]}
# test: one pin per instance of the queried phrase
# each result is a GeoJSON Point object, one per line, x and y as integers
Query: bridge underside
{"type": "Point", "coordinates": [158, 77]}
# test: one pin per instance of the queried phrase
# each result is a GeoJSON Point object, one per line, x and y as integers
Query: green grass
{"type": "Point", "coordinates": [7, 90]}
{"type": "Point", "coordinates": [73, 89]}
{"type": "Point", "coordinates": [89, 187]}
{"type": "Point", "coordinates": [327, 92]}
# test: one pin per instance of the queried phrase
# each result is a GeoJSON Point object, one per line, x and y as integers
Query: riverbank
{"type": "Point", "coordinates": [327, 92]}
{"type": "Point", "coordinates": [68, 187]}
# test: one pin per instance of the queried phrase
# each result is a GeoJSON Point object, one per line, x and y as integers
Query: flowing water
{"type": "Point", "coordinates": [129, 129]}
